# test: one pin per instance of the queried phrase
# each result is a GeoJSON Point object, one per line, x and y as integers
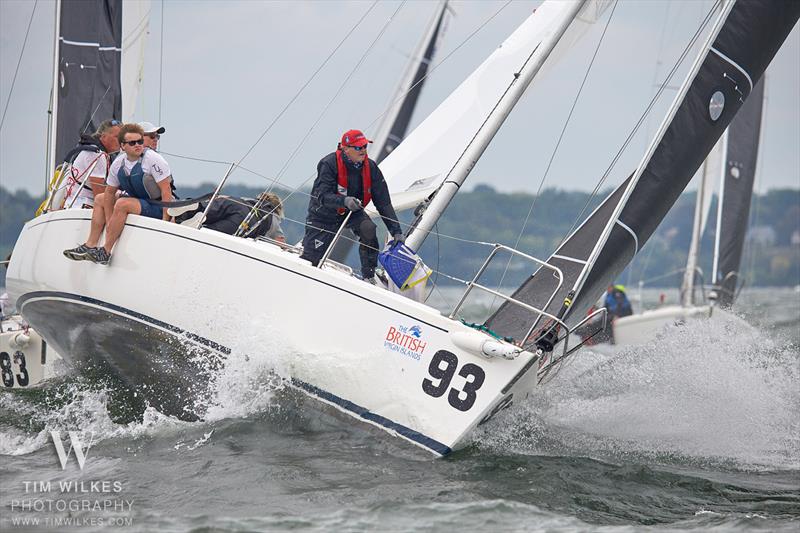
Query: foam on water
{"type": "Point", "coordinates": [709, 391]}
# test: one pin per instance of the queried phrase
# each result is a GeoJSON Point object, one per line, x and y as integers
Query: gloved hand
{"type": "Point", "coordinates": [353, 204]}
{"type": "Point", "coordinates": [398, 238]}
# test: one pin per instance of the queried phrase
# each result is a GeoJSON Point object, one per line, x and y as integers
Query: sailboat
{"type": "Point", "coordinates": [734, 161]}
{"type": "Point", "coordinates": [98, 52]}
{"type": "Point", "coordinates": [165, 315]}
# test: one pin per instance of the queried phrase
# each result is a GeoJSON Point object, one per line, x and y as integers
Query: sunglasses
{"type": "Point", "coordinates": [154, 136]}
{"type": "Point", "coordinates": [134, 143]}
{"type": "Point", "coordinates": [116, 123]}
{"type": "Point", "coordinates": [358, 148]}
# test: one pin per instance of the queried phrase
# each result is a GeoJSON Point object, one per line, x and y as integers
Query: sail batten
{"type": "Point", "coordinates": [744, 39]}
{"type": "Point", "coordinates": [87, 76]}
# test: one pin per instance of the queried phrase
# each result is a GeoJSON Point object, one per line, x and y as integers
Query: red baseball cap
{"type": "Point", "coordinates": [354, 138]}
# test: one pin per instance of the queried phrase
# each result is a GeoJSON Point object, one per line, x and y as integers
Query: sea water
{"type": "Point", "coordinates": [698, 430]}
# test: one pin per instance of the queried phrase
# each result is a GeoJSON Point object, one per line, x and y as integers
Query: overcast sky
{"type": "Point", "coordinates": [221, 71]}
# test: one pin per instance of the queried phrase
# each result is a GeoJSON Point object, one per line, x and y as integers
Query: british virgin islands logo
{"type": "Point", "coordinates": [405, 340]}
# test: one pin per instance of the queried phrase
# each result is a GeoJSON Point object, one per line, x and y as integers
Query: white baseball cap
{"type": "Point", "coordinates": [148, 127]}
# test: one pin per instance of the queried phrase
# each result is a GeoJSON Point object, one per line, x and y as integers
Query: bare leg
{"type": "Point", "coordinates": [122, 209]}
{"type": "Point", "coordinates": [98, 220]}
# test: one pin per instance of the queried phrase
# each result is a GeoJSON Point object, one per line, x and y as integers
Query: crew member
{"type": "Point", "coordinates": [347, 180]}
{"type": "Point", "coordinates": [152, 134]}
{"type": "Point", "coordinates": [143, 175]}
{"type": "Point", "coordinates": [91, 156]}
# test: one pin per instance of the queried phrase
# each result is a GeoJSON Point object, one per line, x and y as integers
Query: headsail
{"type": "Point", "coordinates": [87, 83]}
{"type": "Point", "coordinates": [736, 190]}
{"type": "Point", "coordinates": [422, 161]}
{"type": "Point", "coordinates": [744, 43]}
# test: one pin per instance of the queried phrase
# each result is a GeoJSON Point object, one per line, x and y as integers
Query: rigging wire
{"type": "Point", "coordinates": [336, 95]}
{"type": "Point", "coordinates": [19, 62]}
{"type": "Point", "coordinates": [161, 63]}
{"type": "Point", "coordinates": [314, 75]}
{"type": "Point", "coordinates": [642, 118]}
{"type": "Point", "coordinates": [558, 143]}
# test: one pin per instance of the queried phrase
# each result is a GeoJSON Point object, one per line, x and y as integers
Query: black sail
{"type": "Point", "coordinates": [746, 43]}
{"type": "Point", "coordinates": [741, 153]}
{"type": "Point", "coordinates": [89, 62]}
{"type": "Point", "coordinates": [399, 126]}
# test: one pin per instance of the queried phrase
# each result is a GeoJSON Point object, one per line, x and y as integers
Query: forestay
{"type": "Point", "coordinates": [741, 46]}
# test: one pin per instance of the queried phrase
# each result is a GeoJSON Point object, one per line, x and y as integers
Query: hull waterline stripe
{"type": "Point", "coordinates": [368, 415]}
{"type": "Point", "coordinates": [50, 295]}
{"type": "Point", "coordinates": [361, 412]}
{"type": "Point", "coordinates": [416, 318]}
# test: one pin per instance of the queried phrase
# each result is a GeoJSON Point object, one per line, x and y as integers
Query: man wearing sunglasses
{"type": "Point", "coordinates": [348, 180]}
{"type": "Point", "coordinates": [143, 175]}
{"type": "Point", "coordinates": [152, 134]}
{"type": "Point", "coordinates": [91, 157]}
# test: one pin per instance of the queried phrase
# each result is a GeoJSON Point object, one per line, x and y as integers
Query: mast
{"type": "Point", "coordinates": [687, 288]}
{"type": "Point", "coordinates": [720, 202]}
{"type": "Point", "coordinates": [53, 118]}
{"type": "Point", "coordinates": [469, 157]}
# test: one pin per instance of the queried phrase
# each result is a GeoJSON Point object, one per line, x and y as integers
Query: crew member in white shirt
{"type": "Point", "coordinates": [143, 175]}
{"type": "Point", "coordinates": [92, 158]}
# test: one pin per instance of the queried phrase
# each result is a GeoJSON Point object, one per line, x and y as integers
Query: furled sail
{"type": "Point", "coordinates": [736, 191]}
{"type": "Point", "coordinates": [744, 43]}
{"type": "Point", "coordinates": [88, 71]}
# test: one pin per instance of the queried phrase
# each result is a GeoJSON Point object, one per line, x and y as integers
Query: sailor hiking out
{"type": "Point", "coordinates": [143, 176]}
{"type": "Point", "coordinates": [348, 180]}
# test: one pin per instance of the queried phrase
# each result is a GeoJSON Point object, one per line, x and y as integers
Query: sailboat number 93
{"type": "Point", "coordinates": [442, 369]}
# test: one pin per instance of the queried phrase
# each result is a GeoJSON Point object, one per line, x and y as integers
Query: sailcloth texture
{"type": "Point", "coordinates": [729, 68]}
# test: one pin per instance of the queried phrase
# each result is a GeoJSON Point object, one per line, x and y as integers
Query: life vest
{"type": "Point", "coordinates": [137, 183]}
{"type": "Point", "coordinates": [86, 144]}
{"type": "Point", "coordinates": [341, 169]}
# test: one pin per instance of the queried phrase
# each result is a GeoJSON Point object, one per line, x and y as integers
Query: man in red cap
{"type": "Point", "coordinates": [347, 180]}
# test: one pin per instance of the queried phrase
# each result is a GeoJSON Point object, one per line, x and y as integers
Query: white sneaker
{"type": "Point", "coordinates": [178, 211]}
{"type": "Point", "coordinates": [195, 222]}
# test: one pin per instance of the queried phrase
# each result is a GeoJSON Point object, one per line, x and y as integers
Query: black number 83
{"type": "Point", "coordinates": [443, 368]}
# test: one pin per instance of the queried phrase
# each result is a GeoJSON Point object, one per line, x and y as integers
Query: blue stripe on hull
{"type": "Point", "coordinates": [356, 410]}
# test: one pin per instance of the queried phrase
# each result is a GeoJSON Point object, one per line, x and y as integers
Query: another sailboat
{"type": "Point", "coordinates": [99, 47]}
{"type": "Point", "coordinates": [153, 316]}
{"type": "Point", "coordinates": [735, 163]}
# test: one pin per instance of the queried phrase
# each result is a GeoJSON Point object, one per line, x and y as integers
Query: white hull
{"type": "Point", "coordinates": [645, 327]}
{"type": "Point", "coordinates": [25, 358]}
{"type": "Point", "coordinates": [152, 318]}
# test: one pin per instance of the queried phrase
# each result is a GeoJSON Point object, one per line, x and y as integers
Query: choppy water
{"type": "Point", "coordinates": [699, 430]}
